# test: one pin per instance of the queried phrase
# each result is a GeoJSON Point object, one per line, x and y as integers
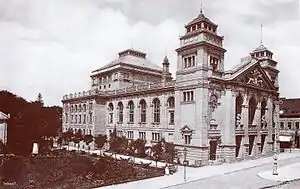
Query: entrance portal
{"type": "Point", "coordinates": [213, 149]}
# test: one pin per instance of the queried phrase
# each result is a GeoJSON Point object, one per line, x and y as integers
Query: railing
{"type": "Point", "coordinates": [137, 88]}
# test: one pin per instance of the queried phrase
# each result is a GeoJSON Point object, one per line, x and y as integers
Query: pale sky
{"type": "Point", "coordinates": [52, 46]}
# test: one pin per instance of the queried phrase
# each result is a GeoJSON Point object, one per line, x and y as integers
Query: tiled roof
{"type": "Point", "coordinates": [290, 106]}
{"type": "Point", "coordinates": [131, 60]}
{"type": "Point", "coordinates": [200, 18]}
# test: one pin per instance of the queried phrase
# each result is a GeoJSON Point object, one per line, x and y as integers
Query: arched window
{"type": "Point", "coordinates": [238, 108]}
{"type": "Point", "coordinates": [76, 108]}
{"type": "Point", "coordinates": [84, 107]}
{"type": "Point", "coordinates": [156, 111]}
{"type": "Point", "coordinates": [171, 103]}
{"type": "Point", "coordinates": [71, 108]}
{"type": "Point", "coordinates": [120, 107]}
{"type": "Point", "coordinates": [252, 109]}
{"type": "Point", "coordinates": [131, 111]}
{"type": "Point", "coordinates": [143, 106]}
{"type": "Point", "coordinates": [111, 109]}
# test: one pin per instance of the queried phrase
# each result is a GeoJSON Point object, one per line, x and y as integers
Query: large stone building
{"type": "Point", "coordinates": [215, 114]}
{"type": "Point", "coordinates": [289, 123]}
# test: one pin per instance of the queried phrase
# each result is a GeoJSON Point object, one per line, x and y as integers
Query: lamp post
{"type": "Point", "coordinates": [185, 162]}
{"type": "Point", "coordinates": [275, 158]}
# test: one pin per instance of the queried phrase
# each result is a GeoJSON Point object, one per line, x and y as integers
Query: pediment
{"type": "Point", "coordinates": [3, 116]}
{"type": "Point", "coordinates": [255, 76]}
{"type": "Point", "coordinates": [185, 129]}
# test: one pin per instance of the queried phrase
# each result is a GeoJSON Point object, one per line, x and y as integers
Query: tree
{"type": "Point", "coordinates": [88, 139]}
{"type": "Point", "coordinates": [170, 152]}
{"type": "Point", "coordinates": [100, 140]}
{"type": "Point", "coordinates": [139, 146]}
{"type": "Point", "coordinates": [67, 137]}
{"type": "Point", "coordinates": [77, 138]}
{"type": "Point", "coordinates": [157, 151]}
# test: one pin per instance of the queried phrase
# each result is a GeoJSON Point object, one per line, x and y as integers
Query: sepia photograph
{"type": "Point", "coordinates": [149, 94]}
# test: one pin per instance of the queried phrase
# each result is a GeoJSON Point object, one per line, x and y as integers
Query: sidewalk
{"type": "Point", "coordinates": [285, 173]}
{"type": "Point", "coordinates": [199, 173]}
{"type": "Point", "coordinates": [118, 156]}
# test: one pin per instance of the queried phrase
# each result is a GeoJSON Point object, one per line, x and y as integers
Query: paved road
{"type": "Point", "coordinates": [246, 178]}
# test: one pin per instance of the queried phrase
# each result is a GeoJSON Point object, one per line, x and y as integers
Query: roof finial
{"type": "Point", "coordinates": [261, 34]}
{"type": "Point", "coordinates": [201, 8]}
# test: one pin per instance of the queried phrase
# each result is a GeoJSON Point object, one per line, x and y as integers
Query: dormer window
{"type": "Point", "coordinates": [189, 61]}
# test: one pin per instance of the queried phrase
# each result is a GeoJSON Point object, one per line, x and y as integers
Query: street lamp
{"type": "Point", "coordinates": [275, 158]}
{"type": "Point", "coordinates": [185, 162]}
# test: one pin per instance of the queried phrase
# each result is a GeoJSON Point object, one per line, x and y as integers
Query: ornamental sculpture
{"type": "Point", "coordinates": [255, 78]}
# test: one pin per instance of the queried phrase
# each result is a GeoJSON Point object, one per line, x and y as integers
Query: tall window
{"type": "Point", "coordinates": [188, 96]}
{"type": "Point", "coordinates": [142, 135]}
{"type": "Point", "coordinates": [90, 106]}
{"type": "Point", "coordinates": [84, 108]}
{"type": "Point", "coordinates": [120, 107]}
{"type": "Point", "coordinates": [297, 125]}
{"type": "Point", "coordinates": [91, 117]}
{"type": "Point", "coordinates": [84, 119]}
{"type": "Point", "coordinates": [171, 105]}
{"type": "Point", "coordinates": [156, 112]}
{"type": "Point", "coordinates": [143, 111]}
{"type": "Point", "coordinates": [66, 115]}
{"type": "Point", "coordinates": [110, 109]}
{"type": "Point", "coordinates": [76, 108]}
{"type": "Point", "coordinates": [79, 118]}
{"type": "Point", "coordinates": [75, 118]}
{"type": "Point", "coordinates": [289, 125]}
{"type": "Point", "coordinates": [130, 134]}
{"type": "Point", "coordinates": [187, 139]}
{"type": "Point", "coordinates": [131, 111]}
{"type": "Point", "coordinates": [189, 61]}
{"type": "Point", "coordinates": [156, 137]}
{"type": "Point", "coordinates": [79, 108]}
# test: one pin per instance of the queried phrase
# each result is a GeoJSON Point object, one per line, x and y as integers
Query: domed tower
{"type": "Point", "coordinates": [200, 56]}
{"type": "Point", "coordinates": [265, 56]}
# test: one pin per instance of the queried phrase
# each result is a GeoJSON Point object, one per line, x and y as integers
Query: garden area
{"type": "Point", "coordinates": [160, 151]}
{"type": "Point", "coordinates": [64, 169]}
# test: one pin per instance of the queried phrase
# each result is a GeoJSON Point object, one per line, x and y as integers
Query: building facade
{"type": "Point", "coordinates": [3, 127]}
{"type": "Point", "coordinates": [289, 122]}
{"type": "Point", "coordinates": [216, 115]}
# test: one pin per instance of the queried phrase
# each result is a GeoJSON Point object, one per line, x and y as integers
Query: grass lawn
{"type": "Point", "coordinates": [62, 169]}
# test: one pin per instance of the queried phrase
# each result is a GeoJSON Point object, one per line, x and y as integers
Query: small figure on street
{"type": "Point", "coordinates": [167, 170]}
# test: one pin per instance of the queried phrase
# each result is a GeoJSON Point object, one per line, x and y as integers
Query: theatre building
{"type": "Point", "coordinates": [217, 115]}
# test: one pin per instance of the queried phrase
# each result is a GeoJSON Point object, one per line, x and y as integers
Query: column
{"type": "Point", "coordinates": [244, 122]}
{"type": "Point", "coordinates": [258, 125]}
{"type": "Point", "coordinates": [268, 116]}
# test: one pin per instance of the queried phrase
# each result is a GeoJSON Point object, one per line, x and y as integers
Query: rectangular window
{"type": "Point", "coordinates": [67, 118]}
{"type": "Point", "coordinates": [187, 139]}
{"type": "Point", "coordinates": [171, 118]}
{"type": "Point", "coordinates": [142, 135]}
{"type": "Point", "coordinates": [189, 61]}
{"type": "Point", "coordinates": [72, 117]}
{"type": "Point", "coordinates": [156, 137]}
{"type": "Point", "coordinates": [75, 118]}
{"type": "Point", "coordinates": [130, 134]}
{"type": "Point", "coordinates": [297, 125]}
{"type": "Point", "coordinates": [188, 96]}
{"type": "Point", "coordinates": [84, 119]}
{"type": "Point", "coordinates": [91, 118]}
{"type": "Point", "coordinates": [289, 125]}
{"type": "Point", "coordinates": [281, 125]}
{"type": "Point", "coordinates": [91, 106]}
{"type": "Point", "coordinates": [111, 118]}
{"type": "Point", "coordinates": [79, 118]}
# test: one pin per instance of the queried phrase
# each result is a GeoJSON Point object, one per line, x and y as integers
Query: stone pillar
{"type": "Point", "coordinates": [244, 122]}
{"type": "Point", "coordinates": [276, 121]}
{"type": "Point", "coordinates": [268, 116]}
{"type": "Point", "coordinates": [228, 128]}
{"type": "Point", "coordinates": [258, 124]}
